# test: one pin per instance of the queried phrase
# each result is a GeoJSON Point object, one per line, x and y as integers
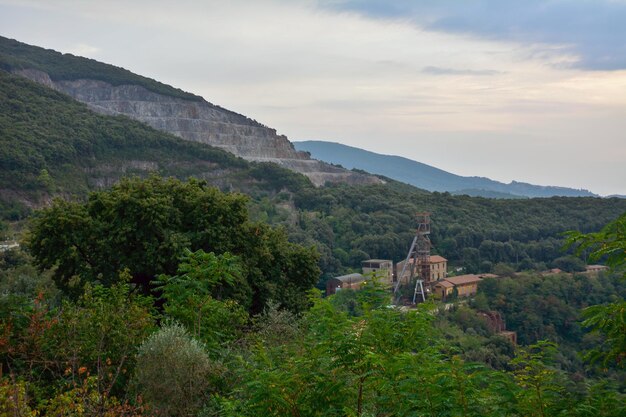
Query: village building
{"type": "Point", "coordinates": [344, 282]}
{"type": "Point", "coordinates": [444, 289]}
{"type": "Point", "coordinates": [553, 271]}
{"type": "Point", "coordinates": [438, 269]}
{"type": "Point", "coordinates": [381, 268]}
{"type": "Point", "coordinates": [463, 285]}
{"type": "Point", "coordinates": [595, 268]}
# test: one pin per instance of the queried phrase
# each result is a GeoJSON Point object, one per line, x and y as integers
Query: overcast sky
{"type": "Point", "coordinates": [529, 90]}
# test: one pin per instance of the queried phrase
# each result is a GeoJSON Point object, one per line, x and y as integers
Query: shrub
{"type": "Point", "coordinates": [172, 373]}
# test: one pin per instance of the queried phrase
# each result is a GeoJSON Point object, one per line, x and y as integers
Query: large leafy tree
{"type": "Point", "coordinates": [193, 297]}
{"type": "Point", "coordinates": [608, 319]}
{"type": "Point", "coordinates": [146, 225]}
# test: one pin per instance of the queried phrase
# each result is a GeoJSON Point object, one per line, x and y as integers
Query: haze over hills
{"type": "Point", "coordinates": [111, 90]}
{"type": "Point", "coordinates": [428, 177]}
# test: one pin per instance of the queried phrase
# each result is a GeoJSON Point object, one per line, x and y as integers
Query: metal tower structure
{"type": "Point", "coordinates": [418, 258]}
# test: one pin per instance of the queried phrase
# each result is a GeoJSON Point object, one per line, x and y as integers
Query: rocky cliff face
{"type": "Point", "coordinates": [199, 121]}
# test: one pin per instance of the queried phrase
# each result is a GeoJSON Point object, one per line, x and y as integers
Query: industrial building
{"type": "Point", "coordinates": [381, 268]}
{"type": "Point", "coordinates": [350, 281]}
{"type": "Point", "coordinates": [463, 286]}
{"type": "Point", "coordinates": [438, 269]}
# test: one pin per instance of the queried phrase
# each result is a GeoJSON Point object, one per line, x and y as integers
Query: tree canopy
{"type": "Point", "coordinates": [145, 226]}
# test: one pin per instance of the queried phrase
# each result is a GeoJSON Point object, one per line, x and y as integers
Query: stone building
{"type": "Point", "coordinates": [438, 269]}
{"type": "Point", "coordinates": [463, 285]}
{"type": "Point", "coordinates": [350, 281]}
{"type": "Point", "coordinates": [382, 268]}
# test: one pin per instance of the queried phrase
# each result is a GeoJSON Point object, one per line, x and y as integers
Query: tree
{"type": "Point", "coordinates": [145, 226]}
{"type": "Point", "coordinates": [194, 296]}
{"type": "Point", "coordinates": [96, 336]}
{"type": "Point", "coordinates": [172, 373]}
{"type": "Point", "coordinates": [542, 393]}
{"type": "Point", "coordinates": [569, 264]}
{"type": "Point", "coordinates": [609, 319]}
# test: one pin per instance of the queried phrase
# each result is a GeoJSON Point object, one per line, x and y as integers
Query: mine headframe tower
{"type": "Point", "coordinates": [418, 259]}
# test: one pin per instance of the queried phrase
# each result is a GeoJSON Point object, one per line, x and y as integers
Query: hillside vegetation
{"type": "Point", "coordinates": [53, 145]}
{"type": "Point", "coordinates": [195, 346]}
{"type": "Point", "coordinates": [152, 296]}
{"type": "Point", "coordinates": [352, 224]}
{"type": "Point", "coordinates": [16, 55]}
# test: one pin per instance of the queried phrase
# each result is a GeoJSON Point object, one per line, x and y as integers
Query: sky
{"type": "Point", "coordinates": [532, 91]}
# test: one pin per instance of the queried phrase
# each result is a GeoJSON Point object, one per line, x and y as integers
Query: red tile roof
{"type": "Point", "coordinates": [464, 279]}
{"type": "Point", "coordinates": [434, 259]}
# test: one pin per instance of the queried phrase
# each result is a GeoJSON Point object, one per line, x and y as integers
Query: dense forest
{"type": "Point", "coordinates": [160, 297]}
{"type": "Point", "coordinates": [350, 224]}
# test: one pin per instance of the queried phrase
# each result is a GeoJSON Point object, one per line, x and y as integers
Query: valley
{"type": "Point", "coordinates": [163, 256]}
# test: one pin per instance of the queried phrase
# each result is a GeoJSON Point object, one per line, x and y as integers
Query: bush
{"type": "Point", "coordinates": [172, 373]}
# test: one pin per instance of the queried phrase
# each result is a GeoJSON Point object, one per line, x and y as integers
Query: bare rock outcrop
{"type": "Point", "coordinates": [199, 121]}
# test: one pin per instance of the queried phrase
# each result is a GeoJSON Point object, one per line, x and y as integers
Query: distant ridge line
{"type": "Point", "coordinates": [428, 177]}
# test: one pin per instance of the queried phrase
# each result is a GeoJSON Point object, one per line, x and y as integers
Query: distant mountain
{"type": "Point", "coordinates": [428, 177]}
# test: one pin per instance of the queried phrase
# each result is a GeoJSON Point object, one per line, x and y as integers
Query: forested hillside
{"type": "Point", "coordinates": [85, 338]}
{"type": "Point", "coordinates": [155, 297]}
{"type": "Point", "coordinates": [53, 145]}
{"type": "Point", "coordinates": [16, 55]}
{"type": "Point", "coordinates": [355, 223]}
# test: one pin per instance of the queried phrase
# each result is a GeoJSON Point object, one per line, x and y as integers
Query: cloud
{"type": "Point", "coordinates": [452, 71]}
{"type": "Point", "coordinates": [390, 80]}
{"type": "Point", "coordinates": [594, 31]}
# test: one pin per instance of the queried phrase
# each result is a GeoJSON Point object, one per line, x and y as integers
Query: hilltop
{"type": "Point", "coordinates": [112, 90]}
{"type": "Point", "coordinates": [53, 145]}
{"type": "Point", "coordinates": [428, 177]}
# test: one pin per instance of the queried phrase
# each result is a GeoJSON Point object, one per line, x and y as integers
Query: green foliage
{"type": "Point", "coordinates": [101, 332]}
{"type": "Point", "coordinates": [275, 326]}
{"type": "Point", "coordinates": [610, 319]}
{"type": "Point", "coordinates": [377, 221]}
{"type": "Point", "coordinates": [173, 370]}
{"type": "Point", "coordinates": [54, 145]}
{"type": "Point", "coordinates": [83, 398]}
{"type": "Point", "coordinates": [569, 264]}
{"type": "Point", "coordinates": [96, 335]}
{"type": "Point", "coordinates": [504, 270]}
{"type": "Point", "coordinates": [193, 297]}
{"type": "Point", "coordinates": [15, 55]}
{"type": "Point", "coordinates": [385, 362]}
{"type": "Point", "coordinates": [145, 226]}
{"type": "Point", "coordinates": [14, 399]}
{"type": "Point", "coordinates": [325, 362]}
{"type": "Point", "coordinates": [542, 389]}
{"type": "Point", "coordinates": [609, 243]}
{"type": "Point", "coordinates": [277, 178]}
{"type": "Point", "coordinates": [548, 307]}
